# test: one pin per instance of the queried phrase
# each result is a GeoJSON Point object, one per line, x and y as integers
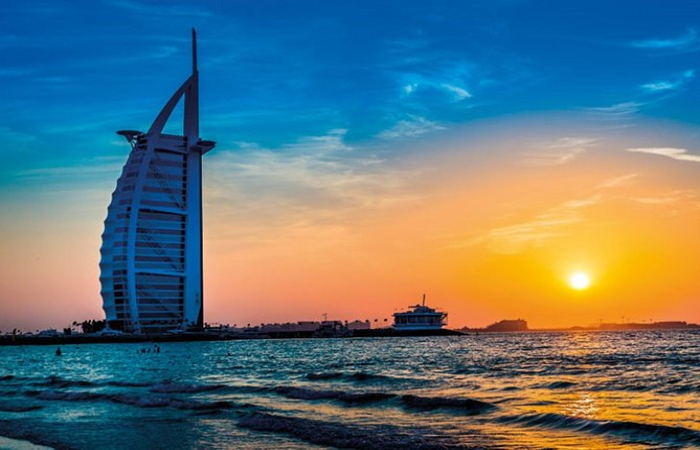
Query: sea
{"type": "Point", "coordinates": [553, 390]}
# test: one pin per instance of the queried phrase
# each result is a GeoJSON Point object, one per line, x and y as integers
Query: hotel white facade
{"type": "Point", "coordinates": [151, 254]}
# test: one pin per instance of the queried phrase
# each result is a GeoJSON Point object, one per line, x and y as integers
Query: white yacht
{"type": "Point", "coordinates": [419, 318]}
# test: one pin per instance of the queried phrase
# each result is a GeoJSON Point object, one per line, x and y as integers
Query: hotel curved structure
{"type": "Point", "coordinates": [151, 254]}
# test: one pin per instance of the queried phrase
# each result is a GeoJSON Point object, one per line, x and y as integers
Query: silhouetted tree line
{"type": "Point", "coordinates": [91, 326]}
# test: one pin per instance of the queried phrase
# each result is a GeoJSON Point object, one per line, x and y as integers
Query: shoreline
{"type": "Point", "coordinates": [206, 336]}
{"type": "Point", "coordinates": [8, 340]}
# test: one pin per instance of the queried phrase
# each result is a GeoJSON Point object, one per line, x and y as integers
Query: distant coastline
{"type": "Point", "coordinates": [217, 334]}
{"type": "Point", "coordinates": [519, 325]}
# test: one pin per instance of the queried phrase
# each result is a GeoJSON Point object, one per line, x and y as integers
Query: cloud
{"type": "Point", "coordinates": [671, 198]}
{"type": "Point", "coordinates": [550, 224]}
{"type": "Point", "coordinates": [617, 111]}
{"type": "Point", "coordinates": [414, 127]}
{"type": "Point", "coordinates": [617, 181]}
{"type": "Point", "coordinates": [95, 167]}
{"type": "Point", "coordinates": [13, 139]}
{"type": "Point", "coordinates": [674, 203]}
{"type": "Point", "coordinates": [677, 83]}
{"type": "Point", "coordinates": [558, 152]}
{"type": "Point", "coordinates": [318, 184]}
{"type": "Point", "coordinates": [417, 65]}
{"type": "Point", "coordinates": [544, 227]}
{"type": "Point", "coordinates": [409, 88]}
{"type": "Point", "coordinates": [454, 88]}
{"type": "Point", "coordinates": [687, 41]}
{"type": "Point", "coordinates": [680, 154]}
{"type": "Point", "coordinates": [653, 93]}
{"type": "Point", "coordinates": [458, 92]}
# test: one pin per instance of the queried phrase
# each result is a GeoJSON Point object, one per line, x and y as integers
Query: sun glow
{"type": "Point", "coordinates": [579, 281]}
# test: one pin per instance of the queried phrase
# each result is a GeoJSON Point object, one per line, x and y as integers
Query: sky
{"type": "Point", "coordinates": [368, 152]}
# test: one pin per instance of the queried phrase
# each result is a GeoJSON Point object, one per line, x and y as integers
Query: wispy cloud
{"type": "Point", "coordinates": [672, 198]}
{"type": "Point", "coordinates": [617, 181]}
{"type": "Point", "coordinates": [552, 223]}
{"type": "Point", "coordinates": [409, 88]}
{"type": "Point", "coordinates": [680, 154]}
{"type": "Point", "coordinates": [91, 168]}
{"type": "Point", "coordinates": [535, 232]}
{"type": "Point", "coordinates": [316, 183]}
{"type": "Point", "coordinates": [415, 126]}
{"type": "Point", "coordinates": [458, 92]}
{"type": "Point", "coordinates": [417, 66]}
{"type": "Point", "coordinates": [558, 152]}
{"type": "Point", "coordinates": [687, 41]}
{"type": "Point", "coordinates": [669, 85]}
{"type": "Point", "coordinates": [617, 111]}
{"type": "Point", "coordinates": [455, 88]}
{"type": "Point", "coordinates": [673, 203]}
{"type": "Point", "coordinates": [14, 139]}
{"type": "Point", "coordinates": [652, 94]}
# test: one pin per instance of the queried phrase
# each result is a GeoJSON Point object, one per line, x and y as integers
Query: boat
{"type": "Point", "coordinates": [420, 318]}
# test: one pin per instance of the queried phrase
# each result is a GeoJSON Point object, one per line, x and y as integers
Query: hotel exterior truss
{"type": "Point", "coordinates": [151, 254]}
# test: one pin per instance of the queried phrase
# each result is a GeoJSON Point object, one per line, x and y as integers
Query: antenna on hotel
{"type": "Point", "coordinates": [423, 299]}
{"type": "Point", "coordinates": [194, 50]}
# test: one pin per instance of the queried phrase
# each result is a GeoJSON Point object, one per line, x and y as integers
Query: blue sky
{"type": "Point", "coordinates": [317, 105]}
{"type": "Point", "coordinates": [274, 72]}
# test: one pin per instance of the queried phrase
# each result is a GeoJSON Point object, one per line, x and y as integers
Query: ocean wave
{"type": "Point", "coordinates": [162, 402]}
{"type": "Point", "coordinates": [128, 384]}
{"type": "Point", "coordinates": [560, 385]}
{"type": "Point", "coordinates": [364, 376]}
{"type": "Point", "coordinates": [324, 376]}
{"type": "Point", "coordinates": [682, 389]}
{"type": "Point", "coordinates": [474, 370]}
{"type": "Point", "coordinates": [7, 377]}
{"type": "Point", "coordinates": [465, 405]}
{"type": "Point", "coordinates": [66, 396]}
{"type": "Point", "coordinates": [346, 436]}
{"type": "Point", "coordinates": [139, 401]}
{"type": "Point", "coordinates": [355, 376]}
{"type": "Point", "coordinates": [300, 393]}
{"type": "Point", "coordinates": [631, 430]}
{"type": "Point", "coordinates": [13, 407]}
{"type": "Point", "coordinates": [167, 387]}
{"type": "Point", "coordinates": [59, 383]}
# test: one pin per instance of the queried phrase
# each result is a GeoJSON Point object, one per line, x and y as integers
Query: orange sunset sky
{"type": "Point", "coordinates": [369, 156]}
{"type": "Point", "coordinates": [490, 220]}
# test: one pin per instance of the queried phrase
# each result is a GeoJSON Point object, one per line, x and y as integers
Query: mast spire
{"type": "Point", "coordinates": [194, 50]}
{"type": "Point", "coordinates": [192, 97]}
{"type": "Point", "coordinates": [190, 90]}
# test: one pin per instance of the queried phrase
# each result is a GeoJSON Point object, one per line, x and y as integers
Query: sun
{"type": "Point", "coordinates": [579, 281]}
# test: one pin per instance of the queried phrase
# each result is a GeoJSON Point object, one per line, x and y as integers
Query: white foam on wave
{"type": "Point", "coordinates": [18, 444]}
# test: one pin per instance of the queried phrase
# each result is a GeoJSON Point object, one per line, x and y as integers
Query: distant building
{"type": "Point", "coordinates": [289, 327]}
{"type": "Point", "coordinates": [670, 325]}
{"type": "Point", "coordinates": [508, 325]}
{"type": "Point", "coordinates": [359, 325]}
{"type": "Point", "coordinates": [151, 254]}
{"type": "Point", "coordinates": [311, 326]}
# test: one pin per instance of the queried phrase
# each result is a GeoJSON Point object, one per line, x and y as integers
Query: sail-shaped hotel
{"type": "Point", "coordinates": [151, 254]}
